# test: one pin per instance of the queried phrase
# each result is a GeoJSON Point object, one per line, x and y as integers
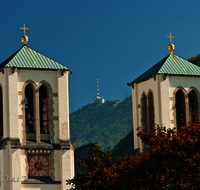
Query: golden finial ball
{"type": "Point", "coordinates": [171, 47]}
{"type": "Point", "coordinates": [24, 39]}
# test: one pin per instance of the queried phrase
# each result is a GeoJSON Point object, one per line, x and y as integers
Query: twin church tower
{"type": "Point", "coordinates": [167, 95]}
{"type": "Point", "coordinates": [35, 148]}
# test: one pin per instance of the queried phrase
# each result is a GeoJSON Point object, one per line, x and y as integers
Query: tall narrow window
{"type": "Point", "coordinates": [29, 109]}
{"type": "Point", "coordinates": [43, 109]}
{"type": "Point", "coordinates": [151, 121]}
{"type": "Point", "coordinates": [193, 104]}
{"type": "Point", "coordinates": [1, 112]}
{"type": "Point", "coordinates": [180, 109]}
{"type": "Point", "coordinates": [144, 113]}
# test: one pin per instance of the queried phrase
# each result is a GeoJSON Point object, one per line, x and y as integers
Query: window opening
{"type": "Point", "coordinates": [193, 104]}
{"type": "Point", "coordinates": [144, 113]}
{"type": "Point", "coordinates": [29, 109]}
{"type": "Point", "coordinates": [151, 121]}
{"type": "Point", "coordinates": [43, 109]}
{"type": "Point", "coordinates": [180, 109]}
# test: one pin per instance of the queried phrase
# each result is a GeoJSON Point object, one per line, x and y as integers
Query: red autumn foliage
{"type": "Point", "coordinates": [171, 162]}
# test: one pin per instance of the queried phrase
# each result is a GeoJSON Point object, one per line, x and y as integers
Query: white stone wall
{"type": "Point", "coordinates": [139, 89]}
{"type": "Point", "coordinates": [63, 108]}
{"type": "Point", "coordinates": [15, 164]}
{"type": "Point", "coordinates": [24, 166]}
{"type": "Point", "coordinates": [57, 162]}
{"type": "Point", "coordinates": [135, 116]}
{"type": "Point", "coordinates": [6, 170]}
{"type": "Point", "coordinates": [164, 102]}
{"type": "Point", "coordinates": [37, 76]}
{"type": "Point", "coordinates": [145, 86]}
{"type": "Point", "coordinates": [12, 103]}
{"type": "Point", "coordinates": [186, 83]}
{"type": "Point", "coordinates": [67, 167]}
{"type": "Point", "coordinates": [163, 93]}
{"type": "Point", "coordinates": [14, 161]}
{"type": "Point", "coordinates": [4, 92]}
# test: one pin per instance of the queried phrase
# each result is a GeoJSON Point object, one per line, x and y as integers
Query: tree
{"type": "Point", "coordinates": [171, 162]}
{"type": "Point", "coordinates": [100, 172]}
{"type": "Point", "coordinates": [195, 60]}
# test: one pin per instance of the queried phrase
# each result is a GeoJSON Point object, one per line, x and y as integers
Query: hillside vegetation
{"type": "Point", "coordinates": [103, 123]}
{"type": "Point", "coordinates": [195, 60]}
{"type": "Point", "coordinates": [125, 145]}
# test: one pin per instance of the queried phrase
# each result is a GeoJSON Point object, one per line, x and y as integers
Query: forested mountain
{"type": "Point", "coordinates": [105, 123]}
{"type": "Point", "coordinates": [124, 145]}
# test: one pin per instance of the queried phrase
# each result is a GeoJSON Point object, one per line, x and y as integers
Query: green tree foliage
{"type": "Point", "coordinates": [103, 123]}
{"type": "Point", "coordinates": [172, 162]}
{"type": "Point", "coordinates": [195, 60]}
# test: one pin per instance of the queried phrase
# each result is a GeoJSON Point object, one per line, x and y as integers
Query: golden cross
{"type": "Point", "coordinates": [170, 37]}
{"type": "Point", "coordinates": [24, 29]}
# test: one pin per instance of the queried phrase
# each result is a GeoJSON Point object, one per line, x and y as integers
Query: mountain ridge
{"type": "Point", "coordinates": [105, 123]}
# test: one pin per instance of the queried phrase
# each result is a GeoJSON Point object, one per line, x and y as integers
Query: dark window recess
{"type": "Point", "coordinates": [43, 109]}
{"type": "Point", "coordinates": [29, 109]}
{"type": "Point", "coordinates": [144, 113]}
{"type": "Point", "coordinates": [193, 104]}
{"type": "Point", "coordinates": [151, 121]}
{"type": "Point", "coordinates": [180, 109]}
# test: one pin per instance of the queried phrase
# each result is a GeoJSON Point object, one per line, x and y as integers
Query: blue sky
{"type": "Point", "coordinates": [114, 40]}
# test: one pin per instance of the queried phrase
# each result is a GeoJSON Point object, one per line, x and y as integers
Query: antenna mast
{"type": "Point", "coordinates": [98, 99]}
{"type": "Point", "coordinates": [98, 96]}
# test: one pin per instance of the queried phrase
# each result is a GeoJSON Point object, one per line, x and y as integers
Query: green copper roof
{"type": "Point", "coordinates": [171, 64]}
{"type": "Point", "coordinates": [26, 57]}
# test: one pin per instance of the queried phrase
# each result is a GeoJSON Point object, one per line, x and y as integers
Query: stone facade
{"type": "Point", "coordinates": [175, 98]}
{"type": "Point", "coordinates": [17, 145]}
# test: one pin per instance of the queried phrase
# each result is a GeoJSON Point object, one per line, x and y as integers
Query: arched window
{"type": "Point", "coordinates": [29, 113]}
{"type": "Point", "coordinates": [151, 121]}
{"type": "Point", "coordinates": [144, 113]}
{"type": "Point", "coordinates": [193, 103]}
{"type": "Point", "coordinates": [43, 96]}
{"type": "Point", "coordinates": [1, 113]}
{"type": "Point", "coordinates": [180, 109]}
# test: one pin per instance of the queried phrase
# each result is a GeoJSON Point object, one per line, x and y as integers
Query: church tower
{"type": "Point", "coordinates": [35, 150]}
{"type": "Point", "coordinates": [166, 95]}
